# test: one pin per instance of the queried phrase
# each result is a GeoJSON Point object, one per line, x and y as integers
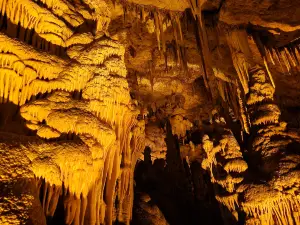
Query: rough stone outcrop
{"type": "Point", "coordinates": [90, 89]}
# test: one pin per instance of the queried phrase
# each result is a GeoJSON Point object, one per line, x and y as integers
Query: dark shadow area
{"type": "Point", "coordinates": [59, 215]}
{"type": "Point", "coordinates": [11, 120]}
{"type": "Point", "coordinates": [182, 192]}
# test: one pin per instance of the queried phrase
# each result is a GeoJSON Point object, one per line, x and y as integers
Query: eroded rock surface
{"type": "Point", "coordinates": [191, 107]}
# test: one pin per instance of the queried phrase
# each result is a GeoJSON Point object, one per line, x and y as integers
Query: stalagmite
{"type": "Point", "coordinates": [270, 203]}
{"type": "Point", "coordinates": [180, 126]}
{"type": "Point", "coordinates": [149, 212]}
{"type": "Point", "coordinates": [82, 94]}
{"type": "Point", "coordinates": [226, 154]}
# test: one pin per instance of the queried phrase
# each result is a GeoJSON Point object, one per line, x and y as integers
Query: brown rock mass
{"type": "Point", "coordinates": [149, 112]}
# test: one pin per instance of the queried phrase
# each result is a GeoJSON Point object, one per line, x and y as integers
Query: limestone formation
{"type": "Point", "coordinates": [224, 161]}
{"type": "Point", "coordinates": [190, 107]}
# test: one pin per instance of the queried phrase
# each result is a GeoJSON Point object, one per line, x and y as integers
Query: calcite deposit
{"type": "Point", "coordinates": [149, 112]}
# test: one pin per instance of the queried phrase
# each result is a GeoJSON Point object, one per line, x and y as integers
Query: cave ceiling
{"type": "Point", "coordinates": [99, 98]}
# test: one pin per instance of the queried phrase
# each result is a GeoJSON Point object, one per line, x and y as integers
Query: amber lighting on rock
{"type": "Point", "coordinates": [138, 111]}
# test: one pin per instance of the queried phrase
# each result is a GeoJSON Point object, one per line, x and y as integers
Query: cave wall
{"type": "Point", "coordinates": [155, 112]}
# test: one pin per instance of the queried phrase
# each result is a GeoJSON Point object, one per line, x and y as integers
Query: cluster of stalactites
{"type": "Point", "coordinates": [262, 90]}
{"type": "Point", "coordinates": [20, 65]}
{"type": "Point", "coordinates": [287, 57]}
{"type": "Point", "coordinates": [228, 155]}
{"type": "Point", "coordinates": [51, 194]}
{"type": "Point", "coordinates": [233, 91]}
{"type": "Point", "coordinates": [241, 55]}
{"type": "Point", "coordinates": [109, 163]}
{"type": "Point", "coordinates": [232, 96]}
{"type": "Point", "coordinates": [264, 205]}
{"type": "Point", "coordinates": [104, 119]}
{"type": "Point", "coordinates": [263, 53]}
{"type": "Point", "coordinates": [23, 76]}
{"type": "Point", "coordinates": [99, 170]}
{"type": "Point", "coordinates": [112, 158]}
{"type": "Point", "coordinates": [276, 201]}
{"type": "Point", "coordinates": [162, 21]}
{"type": "Point", "coordinates": [45, 21]}
{"type": "Point", "coordinates": [89, 209]}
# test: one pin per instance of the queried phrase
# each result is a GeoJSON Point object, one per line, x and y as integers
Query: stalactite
{"type": "Point", "coordinates": [270, 54]}
{"type": "Point", "coordinates": [285, 60]}
{"type": "Point", "coordinates": [269, 73]}
{"type": "Point", "coordinates": [287, 55]}
{"type": "Point", "coordinates": [157, 29]}
{"type": "Point", "coordinates": [294, 56]}
{"type": "Point", "coordinates": [177, 42]}
{"type": "Point", "coordinates": [231, 202]}
{"type": "Point", "coordinates": [232, 100]}
{"type": "Point", "coordinates": [263, 53]}
{"type": "Point", "coordinates": [276, 209]}
{"type": "Point", "coordinates": [46, 24]}
{"type": "Point", "coordinates": [243, 112]}
{"type": "Point", "coordinates": [51, 195]}
{"type": "Point", "coordinates": [202, 46]}
{"type": "Point", "coordinates": [297, 54]}
{"type": "Point", "coordinates": [162, 36]}
{"type": "Point", "coordinates": [241, 55]}
{"type": "Point", "coordinates": [109, 118]}
{"type": "Point", "coordinates": [221, 89]}
{"type": "Point", "coordinates": [194, 7]}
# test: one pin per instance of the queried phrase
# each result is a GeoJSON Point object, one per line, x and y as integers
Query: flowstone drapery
{"type": "Point", "coordinates": [86, 85]}
{"type": "Point", "coordinates": [102, 118]}
{"type": "Point", "coordinates": [81, 95]}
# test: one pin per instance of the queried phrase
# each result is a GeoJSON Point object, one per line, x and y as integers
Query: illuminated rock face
{"type": "Point", "coordinates": [224, 161]}
{"type": "Point", "coordinates": [281, 206]}
{"type": "Point", "coordinates": [87, 86]}
{"type": "Point", "coordinates": [85, 96]}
